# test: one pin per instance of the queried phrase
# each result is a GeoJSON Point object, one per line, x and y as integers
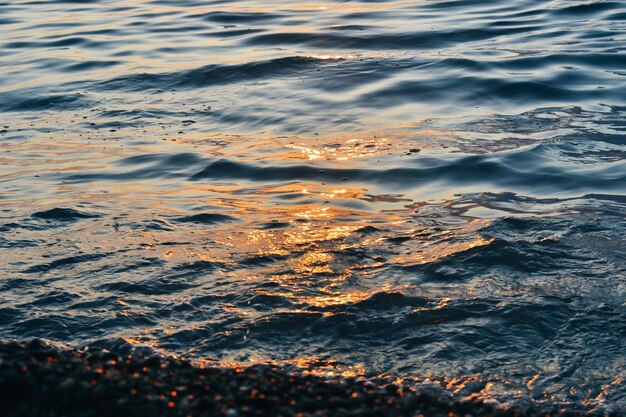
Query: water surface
{"type": "Point", "coordinates": [432, 190]}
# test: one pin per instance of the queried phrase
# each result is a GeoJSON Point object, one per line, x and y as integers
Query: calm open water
{"type": "Point", "coordinates": [425, 189]}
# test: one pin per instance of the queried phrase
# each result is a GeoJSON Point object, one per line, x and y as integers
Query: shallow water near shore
{"type": "Point", "coordinates": [430, 190]}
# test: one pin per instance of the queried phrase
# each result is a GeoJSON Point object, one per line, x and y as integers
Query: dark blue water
{"type": "Point", "coordinates": [431, 190]}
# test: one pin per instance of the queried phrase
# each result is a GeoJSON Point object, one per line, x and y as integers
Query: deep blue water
{"type": "Point", "coordinates": [431, 190]}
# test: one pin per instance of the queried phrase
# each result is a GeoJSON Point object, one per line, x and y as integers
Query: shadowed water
{"type": "Point", "coordinates": [433, 190]}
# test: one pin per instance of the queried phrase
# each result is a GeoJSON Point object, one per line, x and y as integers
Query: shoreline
{"type": "Point", "coordinates": [40, 379]}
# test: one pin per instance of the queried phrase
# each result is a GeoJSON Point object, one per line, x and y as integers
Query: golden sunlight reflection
{"type": "Point", "coordinates": [331, 57]}
{"type": "Point", "coordinates": [308, 365]}
{"type": "Point", "coordinates": [488, 389]}
{"type": "Point", "coordinates": [308, 249]}
{"type": "Point", "coordinates": [302, 235]}
{"type": "Point", "coordinates": [429, 253]}
{"type": "Point", "coordinates": [475, 386]}
{"type": "Point", "coordinates": [447, 243]}
{"type": "Point", "coordinates": [341, 298]}
{"type": "Point", "coordinates": [313, 263]}
{"type": "Point", "coordinates": [341, 150]}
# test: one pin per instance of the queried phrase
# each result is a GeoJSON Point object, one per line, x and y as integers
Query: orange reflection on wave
{"type": "Point", "coordinates": [312, 365]}
{"type": "Point", "coordinates": [445, 244]}
{"type": "Point", "coordinates": [341, 298]}
{"type": "Point", "coordinates": [605, 390]}
{"type": "Point", "coordinates": [308, 365]}
{"type": "Point", "coordinates": [341, 150]}
{"type": "Point", "coordinates": [315, 213]}
{"type": "Point", "coordinates": [313, 263]}
{"type": "Point", "coordinates": [315, 234]}
{"type": "Point", "coordinates": [331, 57]}
{"type": "Point", "coordinates": [432, 253]}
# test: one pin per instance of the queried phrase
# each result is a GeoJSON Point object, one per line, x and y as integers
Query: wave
{"type": "Point", "coordinates": [537, 169]}
{"type": "Point", "coordinates": [213, 75]}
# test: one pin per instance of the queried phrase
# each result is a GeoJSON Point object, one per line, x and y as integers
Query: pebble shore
{"type": "Point", "coordinates": [39, 379]}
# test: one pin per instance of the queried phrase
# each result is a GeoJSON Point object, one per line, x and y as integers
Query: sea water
{"type": "Point", "coordinates": [429, 190]}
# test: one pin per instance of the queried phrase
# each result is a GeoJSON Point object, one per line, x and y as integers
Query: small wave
{"type": "Point", "coordinates": [528, 168]}
{"type": "Point", "coordinates": [206, 218]}
{"type": "Point", "coordinates": [588, 9]}
{"type": "Point", "coordinates": [410, 41]}
{"type": "Point", "coordinates": [64, 263]}
{"type": "Point", "coordinates": [234, 17]}
{"type": "Point", "coordinates": [37, 102]}
{"type": "Point", "coordinates": [214, 75]}
{"type": "Point", "coordinates": [63, 214]}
